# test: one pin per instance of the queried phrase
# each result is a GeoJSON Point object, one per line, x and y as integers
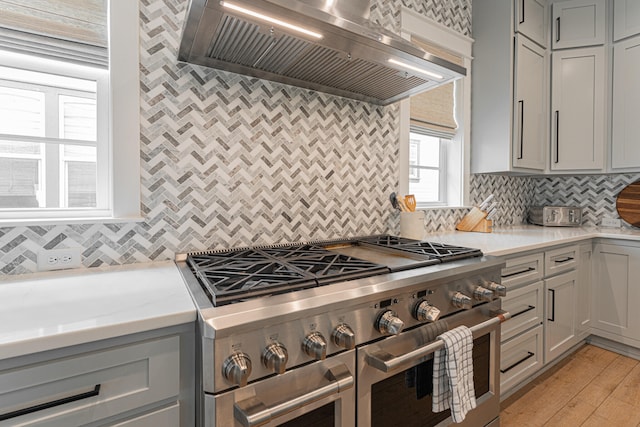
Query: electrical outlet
{"type": "Point", "coordinates": [610, 222]}
{"type": "Point", "coordinates": [58, 259]}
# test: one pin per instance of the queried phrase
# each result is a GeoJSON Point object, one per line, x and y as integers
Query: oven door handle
{"type": "Point", "coordinates": [252, 412]}
{"type": "Point", "coordinates": [386, 362]}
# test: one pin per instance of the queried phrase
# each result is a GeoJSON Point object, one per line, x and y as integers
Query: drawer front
{"type": "Point", "coordinates": [522, 270]}
{"type": "Point", "coordinates": [166, 417]}
{"type": "Point", "coordinates": [520, 357]}
{"type": "Point", "coordinates": [81, 389]}
{"type": "Point", "coordinates": [526, 307]}
{"type": "Point", "coordinates": [560, 260]}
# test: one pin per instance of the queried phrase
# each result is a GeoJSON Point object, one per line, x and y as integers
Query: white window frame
{"type": "Point", "coordinates": [442, 172]}
{"type": "Point", "coordinates": [458, 165]}
{"type": "Point", "coordinates": [118, 117]}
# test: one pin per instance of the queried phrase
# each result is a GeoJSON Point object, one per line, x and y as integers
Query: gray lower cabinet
{"type": "Point", "coordinates": [616, 292]}
{"type": "Point", "coordinates": [543, 293]}
{"type": "Point", "coordinates": [138, 383]}
{"type": "Point", "coordinates": [559, 323]}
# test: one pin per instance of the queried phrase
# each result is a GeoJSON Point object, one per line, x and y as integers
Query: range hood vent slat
{"type": "Point", "coordinates": [350, 60]}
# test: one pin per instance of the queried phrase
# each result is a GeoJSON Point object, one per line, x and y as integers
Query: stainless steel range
{"type": "Point", "coordinates": [323, 333]}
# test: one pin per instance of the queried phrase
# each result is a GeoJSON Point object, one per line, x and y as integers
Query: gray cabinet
{"type": "Point", "coordinates": [578, 109]}
{"type": "Point", "coordinates": [530, 105]}
{"type": "Point", "coordinates": [532, 20]}
{"type": "Point", "coordinates": [510, 87]}
{"type": "Point", "coordinates": [616, 292]}
{"type": "Point", "coordinates": [578, 23]}
{"type": "Point", "coordinates": [135, 381]}
{"type": "Point", "coordinates": [625, 139]}
{"type": "Point", "coordinates": [559, 323]}
{"type": "Point", "coordinates": [626, 18]}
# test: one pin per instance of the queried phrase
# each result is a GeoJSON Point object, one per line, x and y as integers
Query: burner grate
{"type": "Point", "coordinates": [240, 274]}
{"type": "Point", "coordinates": [441, 251]}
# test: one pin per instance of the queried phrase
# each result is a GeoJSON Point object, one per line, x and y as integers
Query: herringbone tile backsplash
{"type": "Point", "coordinates": [232, 161]}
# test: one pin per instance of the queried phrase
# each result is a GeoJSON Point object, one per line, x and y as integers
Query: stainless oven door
{"type": "Point", "coordinates": [319, 394]}
{"type": "Point", "coordinates": [395, 375]}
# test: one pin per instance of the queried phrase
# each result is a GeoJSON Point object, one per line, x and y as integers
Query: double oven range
{"type": "Point", "coordinates": [340, 333]}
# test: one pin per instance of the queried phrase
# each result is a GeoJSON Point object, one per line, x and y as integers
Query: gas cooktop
{"type": "Point", "coordinates": [229, 276]}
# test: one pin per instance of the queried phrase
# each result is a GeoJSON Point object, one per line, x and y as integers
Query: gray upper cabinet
{"type": "Point", "coordinates": [510, 88]}
{"type": "Point", "coordinates": [625, 145]}
{"type": "Point", "coordinates": [531, 19]}
{"type": "Point", "coordinates": [578, 109]}
{"type": "Point", "coordinates": [626, 19]}
{"type": "Point", "coordinates": [530, 110]}
{"type": "Point", "coordinates": [578, 23]}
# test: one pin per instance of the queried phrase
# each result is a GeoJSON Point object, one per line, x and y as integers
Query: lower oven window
{"type": "Point", "coordinates": [405, 399]}
{"type": "Point", "coordinates": [324, 416]}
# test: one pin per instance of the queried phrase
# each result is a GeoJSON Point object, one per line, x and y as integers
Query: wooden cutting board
{"type": "Point", "coordinates": [628, 204]}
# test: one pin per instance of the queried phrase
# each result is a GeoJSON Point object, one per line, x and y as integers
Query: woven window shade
{"type": "Point", "coordinates": [433, 111]}
{"type": "Point", "coordinates": [71, 30]}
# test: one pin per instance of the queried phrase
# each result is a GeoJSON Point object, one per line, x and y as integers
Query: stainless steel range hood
{"type": "Point", "coordinates": [325, 45]}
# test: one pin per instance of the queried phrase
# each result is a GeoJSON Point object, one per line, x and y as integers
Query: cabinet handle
{"type": "Point", "coordinates": [528, 356]}
{"type": "Point", "coordinates": [52, 404]}
{"type": "Point", "coordinates": [553, 305]}
{"type": "Point", "coordinates": [557, 136]}
{"type": "Point", "coordinates": [521, 104]}
{"type": "Point", "coordinates": [557, 29]}
{"type": "Point", "coordinates": [504, 276]}
{"type": "Point", "coordinates": [563, 260]}
{"type": "Point", "coordinates": [529, 308]}
{"type": "Point", "coordinates": [522, 15]}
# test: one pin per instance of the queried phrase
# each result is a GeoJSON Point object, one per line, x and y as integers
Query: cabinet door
{"type": "Point", "coordinates": [616, 291]}
{"type": "Point", "coordinates": [529, 139]}
{"type": "Point", "coordinates": [626, 18]}
{"type": "Point", "coordinates": [577, 104]}
{"type": "Point", "coordinates": [559, 324]}
{"type": "Point", "coordinates": [578, 23]}
{"type": "Point", "coordinates": [625, 145]}
{"type": "Point", "coordinates": [531, 18]}
{"type": "Point", "coordinates": [583, 291]}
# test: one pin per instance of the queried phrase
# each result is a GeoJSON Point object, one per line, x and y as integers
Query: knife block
{"type": "Point", "coordinates": [475, 221]}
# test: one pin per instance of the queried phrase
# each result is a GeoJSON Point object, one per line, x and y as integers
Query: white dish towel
{"type": "Point", "coordinates": [453, 374]}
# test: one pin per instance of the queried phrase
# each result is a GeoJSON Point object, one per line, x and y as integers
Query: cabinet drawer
{"type": "Point", "coordinates": [520, 357]}
{"type": "Point", "coordinates": [521, 270]}
{"type": "Point", "coordinates": [560, 260]}
{"type": "Point", "coordinates": [77, 390]}
{"type": "Point", "coordinates": [526, 308]}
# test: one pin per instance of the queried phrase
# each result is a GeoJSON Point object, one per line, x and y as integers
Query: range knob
{"type": "Point", "coordinates": [343, 336]}
{"type": "Point", "coordinates": [315, 346]}
{"type": "Point", "coordinates": [482, 294]}
{"type": "Point", "coordinates": [497, 288]}
{"type": "Point", "coordinates": [425, 312]}
{"type": "Point", "coordinates": [460, 300]}
{"type": "Point", "coordinates": [275, 358]}
{"type": "Point", "coordinates": [389, 323]}
{"type": "Point", "coordinates": [237, 368]}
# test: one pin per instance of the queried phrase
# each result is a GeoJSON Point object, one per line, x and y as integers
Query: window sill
{"type": "Point", "coordinates": [434, 207]}
{"type": "Point", "coordinates": [66, 221]}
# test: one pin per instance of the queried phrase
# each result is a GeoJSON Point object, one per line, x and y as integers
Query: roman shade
{"type": "Point", "coordinates": [71, 30]}
{"type": "Point", "coordinates": [432, 112]}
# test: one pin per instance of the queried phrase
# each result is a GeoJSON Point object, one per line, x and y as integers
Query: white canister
{"type": "Point", "coordinates": [412, 225]}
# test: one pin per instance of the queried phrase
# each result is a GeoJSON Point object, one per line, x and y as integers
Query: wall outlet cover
{"type": "Point", "coordinates": [610, 222]}
{"type": "Point", "coordinates": [59, 259]}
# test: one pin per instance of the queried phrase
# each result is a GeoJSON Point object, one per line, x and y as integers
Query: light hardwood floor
{"type": "Point", "coordinates": [591, 387]}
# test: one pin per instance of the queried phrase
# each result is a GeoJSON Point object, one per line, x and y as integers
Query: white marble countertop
{"type": "Point", "coordinates": [514, 239]}
{"type": "Point", "coordinates": [45, 311]}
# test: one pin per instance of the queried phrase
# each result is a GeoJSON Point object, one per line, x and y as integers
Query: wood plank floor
{"type": "Point", "coordinates": [592, 387]}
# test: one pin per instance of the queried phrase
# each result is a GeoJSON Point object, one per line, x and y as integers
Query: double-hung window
{"type": "Point", "coordinates": [69, 111]}
{"type": "Point", "coordinates": [53, 153]}
{"type": "Point", "coordinates": [435, 134]}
